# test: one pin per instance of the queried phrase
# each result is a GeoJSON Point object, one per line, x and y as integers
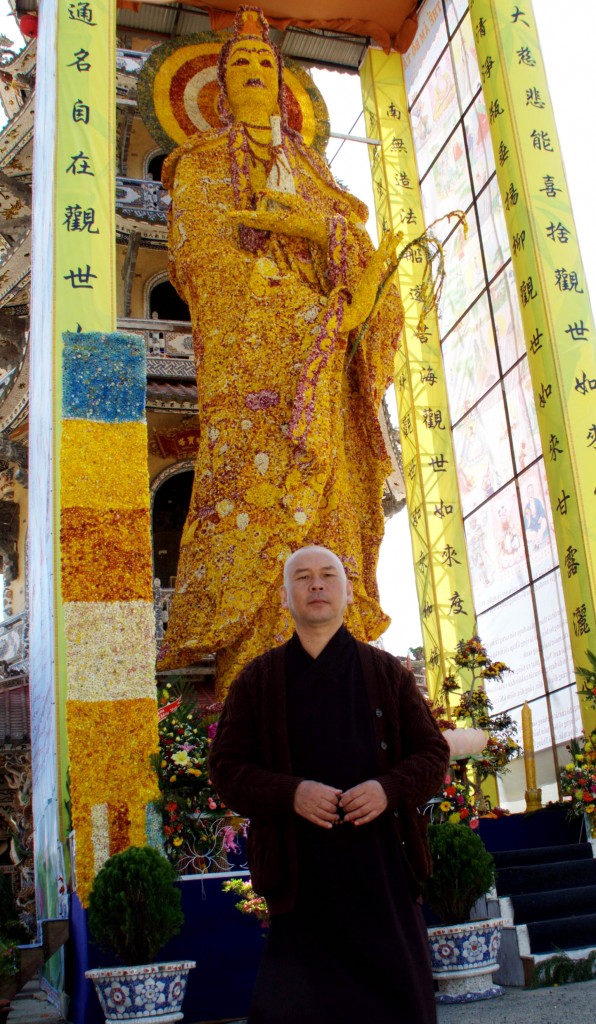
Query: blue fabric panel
{"type": "Point", "coordinates": [547, 827]}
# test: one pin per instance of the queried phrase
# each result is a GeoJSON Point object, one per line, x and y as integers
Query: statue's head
{"type": "Point", "coordinates": [250, 70]}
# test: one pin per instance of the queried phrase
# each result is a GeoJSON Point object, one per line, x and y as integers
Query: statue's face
{"type": "Point", "coordinates": [251, 79]}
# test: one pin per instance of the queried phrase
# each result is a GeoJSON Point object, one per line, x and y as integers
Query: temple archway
{"type": "Point", "coordinates": [164, 303]}
{"type": "Point", "coordinates": [170, 500]}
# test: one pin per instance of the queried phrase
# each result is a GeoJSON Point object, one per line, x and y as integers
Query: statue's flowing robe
{"type": "Point", "coordinates": [290, 451]}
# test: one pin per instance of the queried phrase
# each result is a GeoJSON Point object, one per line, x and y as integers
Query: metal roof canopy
{"type": "Point", "coordinates": [314, 47]}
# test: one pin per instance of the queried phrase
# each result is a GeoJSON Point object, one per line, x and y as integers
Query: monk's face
{"type": "Point", "coordinates": [251, 79]}
{"type": "Point", "coordinates": [316, 590]}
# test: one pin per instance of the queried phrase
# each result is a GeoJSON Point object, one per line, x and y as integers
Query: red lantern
{"type": "Point", "coordinates": [28, 25]}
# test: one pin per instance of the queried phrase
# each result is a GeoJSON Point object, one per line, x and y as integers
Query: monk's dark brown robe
{"type": "Point", "coordinates": [354, 948]}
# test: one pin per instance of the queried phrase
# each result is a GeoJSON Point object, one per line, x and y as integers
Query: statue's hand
{"type": "Point", "coordinates": [284, 214]}
{"type": "Point", "coordinates": [365, 293]}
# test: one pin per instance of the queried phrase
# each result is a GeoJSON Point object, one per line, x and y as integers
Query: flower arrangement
{"type": "Point", "coordinates": [499, 751]}
{"type": "Point", "coordinates": [578, 778]}
{"type": "Point", "coordinates": [200, 831]}
{"type": "Point", "coordinates": [454, 803]}
{"type": "Point", "coordinates": [249, 903]}
{"type": "Point", "coordinates": [475, 708]}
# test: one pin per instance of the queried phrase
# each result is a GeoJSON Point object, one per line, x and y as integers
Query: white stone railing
{"type": "Point", "coordinates": [169, 346]}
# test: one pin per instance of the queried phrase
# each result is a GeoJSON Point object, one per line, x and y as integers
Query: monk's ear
{"type": "Point", "coordinates": [283, 594]}
{"type": "Point", "coordinates": [349, 592]}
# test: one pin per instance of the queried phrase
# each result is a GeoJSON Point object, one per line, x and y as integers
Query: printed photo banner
{"type": "Point", "coordinates": [436, 526]}
{"type": "Point", "coordinates": [555, 307]}
{"type": "Point", "coordinates": [85, 296]}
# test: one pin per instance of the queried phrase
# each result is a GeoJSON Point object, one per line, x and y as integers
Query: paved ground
{"type": "Point", "coordinates": [31, 1007]}
{"type": "Point", "coordinates": [569, 1004]}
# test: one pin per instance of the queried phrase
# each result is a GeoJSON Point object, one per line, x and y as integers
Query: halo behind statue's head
{"type": "Point", "coordinates": [180, 90]}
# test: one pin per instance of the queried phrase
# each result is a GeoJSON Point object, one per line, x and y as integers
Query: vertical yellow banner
{"type": "Point", "coordinates": [83, 229]}
{"type": "Point", "coordinates": [436, 526]}
{"type": "Point", "coordinates": [556, 313]}
{"type": "Point", "coordinates": [104, 598]}
{"type": "Point", "coordinates": [85, 167]}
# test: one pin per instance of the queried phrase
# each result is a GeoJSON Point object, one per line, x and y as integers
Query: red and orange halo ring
{"type": "Point", "coordinates": [178, 93]}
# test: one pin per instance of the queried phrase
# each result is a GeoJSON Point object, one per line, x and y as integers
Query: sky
{"type": "Point", "coordinates": [8, 26]}
{"type": "Point", "coordinates": [568, 39]}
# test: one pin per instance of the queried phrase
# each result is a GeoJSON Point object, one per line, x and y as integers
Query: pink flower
{"type": "Point", "coordinates": [229, 840]}
{"type": "Point", "coordinates": [260, 400]}
{"type": "Point", "coordinates": [212, 804]}
{"type": "Point", "coordinates": [211, 730]}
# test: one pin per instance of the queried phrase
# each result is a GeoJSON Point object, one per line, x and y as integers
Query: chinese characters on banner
{"type": "Point", "coordinates": [554, 303]}
{"type": "Point", "coordinates": [438, 540]}
{"type": "Point", "coordinates": [85, 167]}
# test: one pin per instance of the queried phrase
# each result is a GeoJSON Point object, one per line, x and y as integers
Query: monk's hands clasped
{"type": "Point", "coordinates": [326, 806]}
{"type": "Point", "coordinates": [317, 803]}
{"type": "Point", "coordinates": [364, 802]}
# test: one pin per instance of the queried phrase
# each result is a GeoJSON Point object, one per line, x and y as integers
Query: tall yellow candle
{"type": "Point", "coordinates": [533, 795]}
{"type": "Point", "coordinates": [528, 736]}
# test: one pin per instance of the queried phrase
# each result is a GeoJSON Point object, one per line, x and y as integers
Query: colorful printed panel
{"type": "Point", "coordinates": [556, 314]}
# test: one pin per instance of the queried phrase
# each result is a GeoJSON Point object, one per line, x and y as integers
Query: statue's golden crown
{"type": "Point", "coordinates": [250, 23]}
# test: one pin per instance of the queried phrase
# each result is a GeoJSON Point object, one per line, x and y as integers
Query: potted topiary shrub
{"type": "Point", "coordinates": [463, 952]}
{"type": "Point", "coordinates": [134, 909]}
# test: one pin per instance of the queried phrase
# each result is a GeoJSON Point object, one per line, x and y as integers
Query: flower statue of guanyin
{"type": "Point", "coordinates": [280, 276]}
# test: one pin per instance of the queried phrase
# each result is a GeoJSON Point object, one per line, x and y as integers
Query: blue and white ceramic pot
{"type": "Point", "coordinates": [464, 957]}
{"type": "Point", "coordinates": [148, 994]}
